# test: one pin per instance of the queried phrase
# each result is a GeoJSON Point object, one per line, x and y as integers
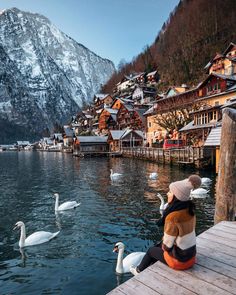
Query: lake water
{"type": "Point", "coordinates": [80, 260]}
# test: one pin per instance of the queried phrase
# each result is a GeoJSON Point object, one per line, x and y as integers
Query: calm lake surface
{"type": "Point", "coordinates": [80, 260]}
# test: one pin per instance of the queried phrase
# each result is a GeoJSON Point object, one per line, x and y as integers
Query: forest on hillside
{"type": "Point", "coordinates": [194, 32]}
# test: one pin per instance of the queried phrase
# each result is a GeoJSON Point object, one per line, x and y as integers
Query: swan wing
{"type": "Point", "coordinates": [39, 237]}
{"type": "Point", "coordinates": [206, 180]}
{"type": "Point", "coordinates": [132, 259]}
{"type": "Point", "coordinates": [116, 174]}
{"type": "Point", "coordinates": [68, 205]}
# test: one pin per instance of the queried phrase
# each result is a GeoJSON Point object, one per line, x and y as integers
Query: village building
{"type": "Point", "coordinates": [45, 143]}
{"type": "Point", "coordinates": [152, 78]}
{"type": "Point", "coordinates": [107, 120]}
{"type": "Point", "coordinates": [130, 117]}
{"type": "Point", "coordinates": [100, 101]}
{"type": "Point", "coordinates": [177, 101]}
{"type": "Point", "coordinates": [128, 83]}
{"type": "Point", "coordinates": [154, 133]}
{"type": "Point", "coordinates": [90, 145]}
{"type": "Point", "coordinates": [68, 136]}
{"type": "Point", "coordinates": [214, 92]}
{"type": "Point", "coordinates": [224, 63]}
{"type": "Point", "coordinates": [118, 139]}
{"type": "Point", "coordinates": [143, 95]}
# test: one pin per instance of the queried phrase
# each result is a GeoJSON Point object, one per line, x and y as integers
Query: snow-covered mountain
{"type": "Point", "coordinates": [45, 76]}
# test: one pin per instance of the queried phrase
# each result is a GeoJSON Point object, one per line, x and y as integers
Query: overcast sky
{"type": "Point", "coordinates": [113, 29]}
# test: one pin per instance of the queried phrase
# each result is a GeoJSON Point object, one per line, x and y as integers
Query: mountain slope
{"type": "Point", "coordinates": [192, 35]}
{"type": "Point", "coordinates": [45, 76]}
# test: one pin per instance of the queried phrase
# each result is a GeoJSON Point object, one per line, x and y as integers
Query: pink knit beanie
{"type": "Point", "coordinates": [182, 189]}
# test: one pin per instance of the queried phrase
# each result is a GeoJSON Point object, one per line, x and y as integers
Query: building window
{"type": "Point", "coordinates": [214, 115]}
{"type": "Point", "coordinates": [216, 86]}
{"type": "Point", "coordinates": [149, 124]}
{"type": "Point", "coordinates": [209, 89]}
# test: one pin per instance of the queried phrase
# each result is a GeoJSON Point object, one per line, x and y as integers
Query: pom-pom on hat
{"type": "Point", "coordinates": [182, 189]}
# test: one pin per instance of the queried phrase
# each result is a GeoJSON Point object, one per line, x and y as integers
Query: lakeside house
{"type": "Point", "coordinates": [89, 145]}
{"type": "Point", "coordinates": [118, 139]}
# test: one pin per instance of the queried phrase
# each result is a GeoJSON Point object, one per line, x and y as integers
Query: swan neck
{"type": "Point", "coordinates": [22, 236]}
{"type": "Point", "coordinates": [56, 203]}
{"type": "Point", "coordinates": [119, 264]}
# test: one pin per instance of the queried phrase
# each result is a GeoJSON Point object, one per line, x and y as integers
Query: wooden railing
{"type": "Point", "coordinates": [188, 155]}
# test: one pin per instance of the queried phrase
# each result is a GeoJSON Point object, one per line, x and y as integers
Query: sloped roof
{"type": "Point", "coordinates": [69, 132]}
{"type": "Point", "coordinates": [58, 136]}
{"type": "Point", "coordinates": [92, 139]}
{"type": "Point", "coordinates": [128, 131]}
{"type": "Point", "coordinates": [228, 48]}
{"type": "Point", "coordinates": [111, 111]}
{"type": "Point", "coordinates": [213, 138]}
{"type": "Point", "coordinates": [217, 56]}
{"type": "Point", "coordinates": [149, 111]}
{"type": "Point", "coordinates": [152, 73]}
{"type": "Point", "coordinates": [23, 143]}
{"type": "Point", "coordinates": [116, 134]}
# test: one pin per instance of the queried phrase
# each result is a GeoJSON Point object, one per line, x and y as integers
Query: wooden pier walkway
{"type": "Point", "coordinates": [214, 273]}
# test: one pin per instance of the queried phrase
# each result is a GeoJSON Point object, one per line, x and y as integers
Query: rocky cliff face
{"type": "Point", "coordinates": [45, 76]}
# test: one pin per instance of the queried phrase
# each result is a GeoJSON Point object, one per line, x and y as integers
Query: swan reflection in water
{"type": "Point", "coordinates": [23, 256]}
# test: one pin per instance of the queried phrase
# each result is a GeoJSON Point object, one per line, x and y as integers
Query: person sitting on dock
{"type": "Point", "coordinates": [178, 246]}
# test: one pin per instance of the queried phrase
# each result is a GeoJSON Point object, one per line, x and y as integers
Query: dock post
{"type": "Point", "coordinates": [225, 207]}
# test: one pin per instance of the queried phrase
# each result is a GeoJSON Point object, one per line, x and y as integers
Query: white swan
{"type": "Point", "coordinates": [153, 175]}
{"type": "Point", "coordinates": [206, 181]}
{"type": "Point", "coordinates": [36, 238]}
{"type": "Point", "coordinates": [199, 193]}
{"type": "Point", "coordinates": [65, 206]}
{"type": "Point", "coordinates": [133, 259]}
{"type": "Point", "coordinates": [114, 175]}
{"type": "Point", "coordinates": [163, 204]}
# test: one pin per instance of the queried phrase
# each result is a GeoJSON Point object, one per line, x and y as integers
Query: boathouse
{"type": "Point", "coordinates": [90, 145]}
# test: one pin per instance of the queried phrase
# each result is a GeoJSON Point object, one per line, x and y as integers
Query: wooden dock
{"type": "Point", "coordinates": [214, 273]}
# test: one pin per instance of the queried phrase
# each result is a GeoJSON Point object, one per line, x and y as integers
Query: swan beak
{"type": "Point", "coordinates": [116, 250]}
{"type": "Point", "coordinates": [16, 227]}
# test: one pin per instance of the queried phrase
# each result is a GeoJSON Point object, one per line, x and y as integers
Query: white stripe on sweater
{"type": "Point", "coordinates": [186, 241]}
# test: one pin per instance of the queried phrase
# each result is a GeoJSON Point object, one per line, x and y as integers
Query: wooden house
{"type": "Point", "coordinates": [101, 101]}
{"type": "Point", "coordinates": [224, 63]}
{"type": "Point", "coordinates": [114, 140]}
{"type": "Point", "coordinates": [130, 117]}
{"type": "Point", "coordinates": [143, 95]}
{"type": "Point", "coordinates": [89, 145]}
{"type": "Point", "coordinates": [152, 78]}
{"type": "Point", "coordinates": [107, 119]}
{"type": "Point", "coordinates": [212, 144]}
{"type": "Point", "coordinates": [117, 139]}
{"type": "Point", "coordinates": [214, 92]}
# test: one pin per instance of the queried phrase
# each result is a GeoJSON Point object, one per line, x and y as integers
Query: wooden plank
{"type": "Point", "coordinates": [216, 255]}
{"type": "Point", "coordinates": [231, 224]}
{"type": "Point", "coordinates": [214, 239]}
{"type": "Point", "coordinates": [116, 291]}
{"type": "Point", "coordinates": [134, 287]}
{"type": "Point", "coordinates": [222, 234]}
{"type": "Point", "coordinates": [214, 278]}
{"type": "Point", "coordinates": [160, 284]}
{"type": "Point", "coordinates": [216, 246]}
{"type": "Point", "coordinates": [187, 280]}
{"type": "Point", "coordinates": [226, 227]}
{"type": "Point", "coordinates": [216, 266]}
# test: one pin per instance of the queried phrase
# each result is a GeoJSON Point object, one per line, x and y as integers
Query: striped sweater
{"type": "Point", "coordinates": [179, 240]}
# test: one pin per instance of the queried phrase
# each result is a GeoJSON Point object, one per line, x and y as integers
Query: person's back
{"type": "Point", "coordinates": [179, 240]}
